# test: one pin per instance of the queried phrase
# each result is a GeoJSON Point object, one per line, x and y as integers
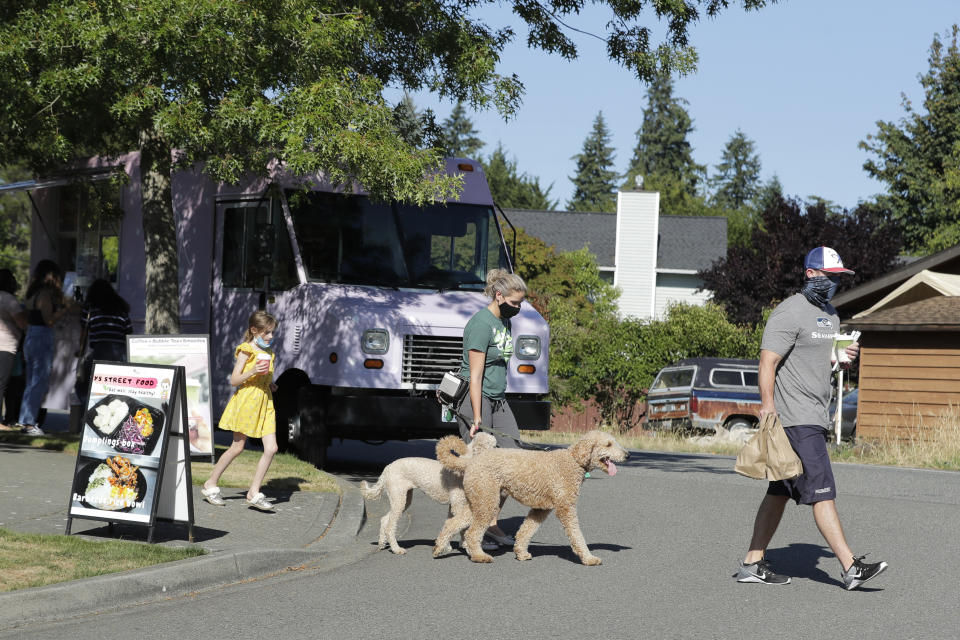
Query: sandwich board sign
{"type": "Point", "coordinates": [134, 464]}
{"type": "Point", "coordinates": [192, 351]}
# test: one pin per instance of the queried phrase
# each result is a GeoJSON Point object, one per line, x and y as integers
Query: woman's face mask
{"type": "Point", "coordinates": [820, 289]}
{"type": "Point", "coordinates": [508, 310]}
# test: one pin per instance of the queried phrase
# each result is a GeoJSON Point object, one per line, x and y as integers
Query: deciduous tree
{"type": "Point", "coordinates": [770, 267]}
{"type": "Point", "coordinates": [235, 85]}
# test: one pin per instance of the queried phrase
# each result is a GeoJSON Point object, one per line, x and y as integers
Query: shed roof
{"type": "Point", "coordinates": [941, 313]}
{"type": "Point", "coordinates": [926, 284]}
{"type": "Point", "coordinates": [869, 293]}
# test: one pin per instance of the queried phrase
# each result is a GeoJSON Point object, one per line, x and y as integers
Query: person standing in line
{"type": "Point", "coordinates": [13, 320]}
{"type": "Point", "coordinates": [795, 366]}
{"type": "Point", "coordinates": [487, 348]}
{"type": "Point", "coordinates": [106, 323]}
{"type": "Point", "coordinates": [45, 305]}
{"type": "Point", "coordinates": [250, 412]}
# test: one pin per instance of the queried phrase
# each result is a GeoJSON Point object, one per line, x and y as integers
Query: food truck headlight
{"type": "Point", "coordinates": [527, 347]}
{"type": "Point", "coordinates": [375, 341]}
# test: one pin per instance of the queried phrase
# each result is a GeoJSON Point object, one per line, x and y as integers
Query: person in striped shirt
{"type": "Point", "coordinates": [106, 323]}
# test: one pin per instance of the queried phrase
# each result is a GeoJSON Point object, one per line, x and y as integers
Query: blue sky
{"type": "Point", "coordinates": [806, 80]}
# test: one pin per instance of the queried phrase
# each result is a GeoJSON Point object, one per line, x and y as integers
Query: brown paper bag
{"type": "Point", "coordinates": [768, 454]}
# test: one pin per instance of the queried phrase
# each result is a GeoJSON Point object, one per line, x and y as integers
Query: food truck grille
{"type": "Point", "coordinates": [427, 358]}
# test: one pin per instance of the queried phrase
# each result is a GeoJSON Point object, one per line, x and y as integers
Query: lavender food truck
{"type": "Point", "coordinates": [371, 297]}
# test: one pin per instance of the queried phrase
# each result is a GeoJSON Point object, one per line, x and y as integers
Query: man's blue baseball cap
{"type": "Point", "coordinates": [825, 259]}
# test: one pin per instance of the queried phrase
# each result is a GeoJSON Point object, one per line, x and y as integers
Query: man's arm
{"type": "Point", "coordinates": [767, 374]}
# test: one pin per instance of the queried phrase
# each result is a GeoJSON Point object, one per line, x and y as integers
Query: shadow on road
{"type": "Point", "coordinates": [799, 560]}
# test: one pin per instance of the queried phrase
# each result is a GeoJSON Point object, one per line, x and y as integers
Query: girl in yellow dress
{"type": "Point", "coordinates": [249, 413]}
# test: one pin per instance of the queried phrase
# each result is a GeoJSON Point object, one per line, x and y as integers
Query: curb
{"type": "Point", "coordinates": [172, 579]}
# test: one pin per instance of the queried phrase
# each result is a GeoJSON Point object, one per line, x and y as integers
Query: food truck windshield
{"type": "Point", "coordinates": [352, 239]}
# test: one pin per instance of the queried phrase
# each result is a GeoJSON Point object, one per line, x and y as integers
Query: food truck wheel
{"type": "Point", "coordinates": [285, 402]}
{"type": "Point", "coordinates": [314, 447]}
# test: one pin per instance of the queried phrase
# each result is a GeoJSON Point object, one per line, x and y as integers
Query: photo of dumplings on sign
{"type": "Point", "coordinates": [122, 424]}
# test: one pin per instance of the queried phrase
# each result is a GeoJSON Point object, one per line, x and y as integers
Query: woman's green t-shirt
{"type": "Point", "coordinates": [488, 334]}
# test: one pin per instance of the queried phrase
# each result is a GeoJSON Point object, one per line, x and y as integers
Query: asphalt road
{"type": "Point", "coordinates": [670, 530]}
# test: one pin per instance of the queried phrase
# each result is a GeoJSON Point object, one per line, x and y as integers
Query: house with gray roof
{"type": "Point", "coordinates": [654, 259]}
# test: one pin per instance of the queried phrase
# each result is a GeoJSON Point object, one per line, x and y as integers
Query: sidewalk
{"type": "Point", "coordinates": [242, 543]}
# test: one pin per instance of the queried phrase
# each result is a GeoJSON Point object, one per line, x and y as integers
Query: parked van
{"type": "Point", "coordinates": [706, 394]}
{"type": "Point", "coordinates": [371, 297]}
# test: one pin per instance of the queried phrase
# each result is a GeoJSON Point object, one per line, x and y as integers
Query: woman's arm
{"type": "Point", "coordinates": [237, 376]}
{"type": "Point", "coordinates": [20, 318]}
{"type": "Point", "coordinates": [44, 303]}
{"type": "Point", "coordinates": [478, 361]}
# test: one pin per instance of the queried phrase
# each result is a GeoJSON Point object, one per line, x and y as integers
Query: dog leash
{"type": "Point", "coordinates": [523, 444]}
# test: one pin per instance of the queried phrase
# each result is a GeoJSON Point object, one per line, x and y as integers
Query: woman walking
{"type": "Point", "coordinates": [487, 348]}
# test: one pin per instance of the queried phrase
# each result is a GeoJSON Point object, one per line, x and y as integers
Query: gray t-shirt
{"type": "Point", "coordinates": [802, 334]}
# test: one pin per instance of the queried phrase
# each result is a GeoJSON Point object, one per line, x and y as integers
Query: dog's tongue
{"type": "Point", "coordinates": [611, 468]}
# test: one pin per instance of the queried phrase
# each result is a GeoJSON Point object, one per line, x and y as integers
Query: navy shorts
{"type": "Point", "coordinates": [816, 483]}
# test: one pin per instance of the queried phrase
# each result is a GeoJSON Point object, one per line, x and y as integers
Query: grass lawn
{"type": "Point", "coordinates": [287, 473]}
{"type": "Point", "coordinates": [32, 560]}
{"type": "Point", "coordinates": [936, 446]}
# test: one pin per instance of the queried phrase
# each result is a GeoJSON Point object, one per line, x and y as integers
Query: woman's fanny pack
{"type": "Point", "coordinates": [452, 389]}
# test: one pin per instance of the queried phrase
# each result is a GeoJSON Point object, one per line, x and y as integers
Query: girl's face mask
{"type": "Point", "coordinates": [263, 344]}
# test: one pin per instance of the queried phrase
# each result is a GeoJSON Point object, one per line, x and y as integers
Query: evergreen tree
{"type": "Point", "coordinates": [418, 129]}
{"type": "Point", "coordinates": [458, 137]}
{"type": "Point", "coordinates": [513, 189]}
{"type": "Point", "coordinates": [595, 186]}
{"type": "Point", "coordinates": [663, 155]}
{"type": "Point", "coordinates": [737, 180]}
{"type": "Point", "coordinates": [919, 160]}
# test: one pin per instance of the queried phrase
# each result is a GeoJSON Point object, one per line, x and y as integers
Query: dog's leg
{"type": "Point", "coordinates": [530, 525]}
{"type": "Point", "coordinates": [457, 522]}
{"type": "Point", "coordinates": [568, 516]}
{"type": "Point", "coordinates": [484, 505]}
{"type": "Point", "coordinates": [400, 498]}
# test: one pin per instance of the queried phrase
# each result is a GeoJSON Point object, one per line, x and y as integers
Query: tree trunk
{"type": "Point", "coordinates": [159, 236]}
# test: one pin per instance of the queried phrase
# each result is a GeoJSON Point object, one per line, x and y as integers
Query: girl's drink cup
{"type": "Point", "coordinates": [263, 362]}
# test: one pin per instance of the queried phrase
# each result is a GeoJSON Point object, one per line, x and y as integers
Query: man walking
{"type": "Point", "coordinates": [795, 364]}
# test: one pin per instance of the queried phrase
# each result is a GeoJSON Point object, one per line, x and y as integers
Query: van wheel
{"type": "Point", "coordinates": [740, 429]}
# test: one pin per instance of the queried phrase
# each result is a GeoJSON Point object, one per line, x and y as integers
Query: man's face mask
{"type": "Point", "coordinates": [820, 289]}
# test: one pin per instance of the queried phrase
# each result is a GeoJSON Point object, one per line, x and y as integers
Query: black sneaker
{"type": "Point", "coordinates": [860, 571]}
{"type": "Point", "coordinates": [760, 572]}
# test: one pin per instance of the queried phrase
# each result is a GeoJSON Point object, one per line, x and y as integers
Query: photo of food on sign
{"type": "Point", "coordinates": [113, 484]}
{"type": "Point", "coordinates": [119, 423]}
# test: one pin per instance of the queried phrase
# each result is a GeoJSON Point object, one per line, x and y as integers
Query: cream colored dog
{"type": "Point", "coordinates": [542, 480]}
{"type": "Point", "coordinates": [401, 477]}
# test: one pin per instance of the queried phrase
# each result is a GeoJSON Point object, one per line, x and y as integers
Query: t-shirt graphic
{"type": "Point", "coordinates": [504, 341]}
